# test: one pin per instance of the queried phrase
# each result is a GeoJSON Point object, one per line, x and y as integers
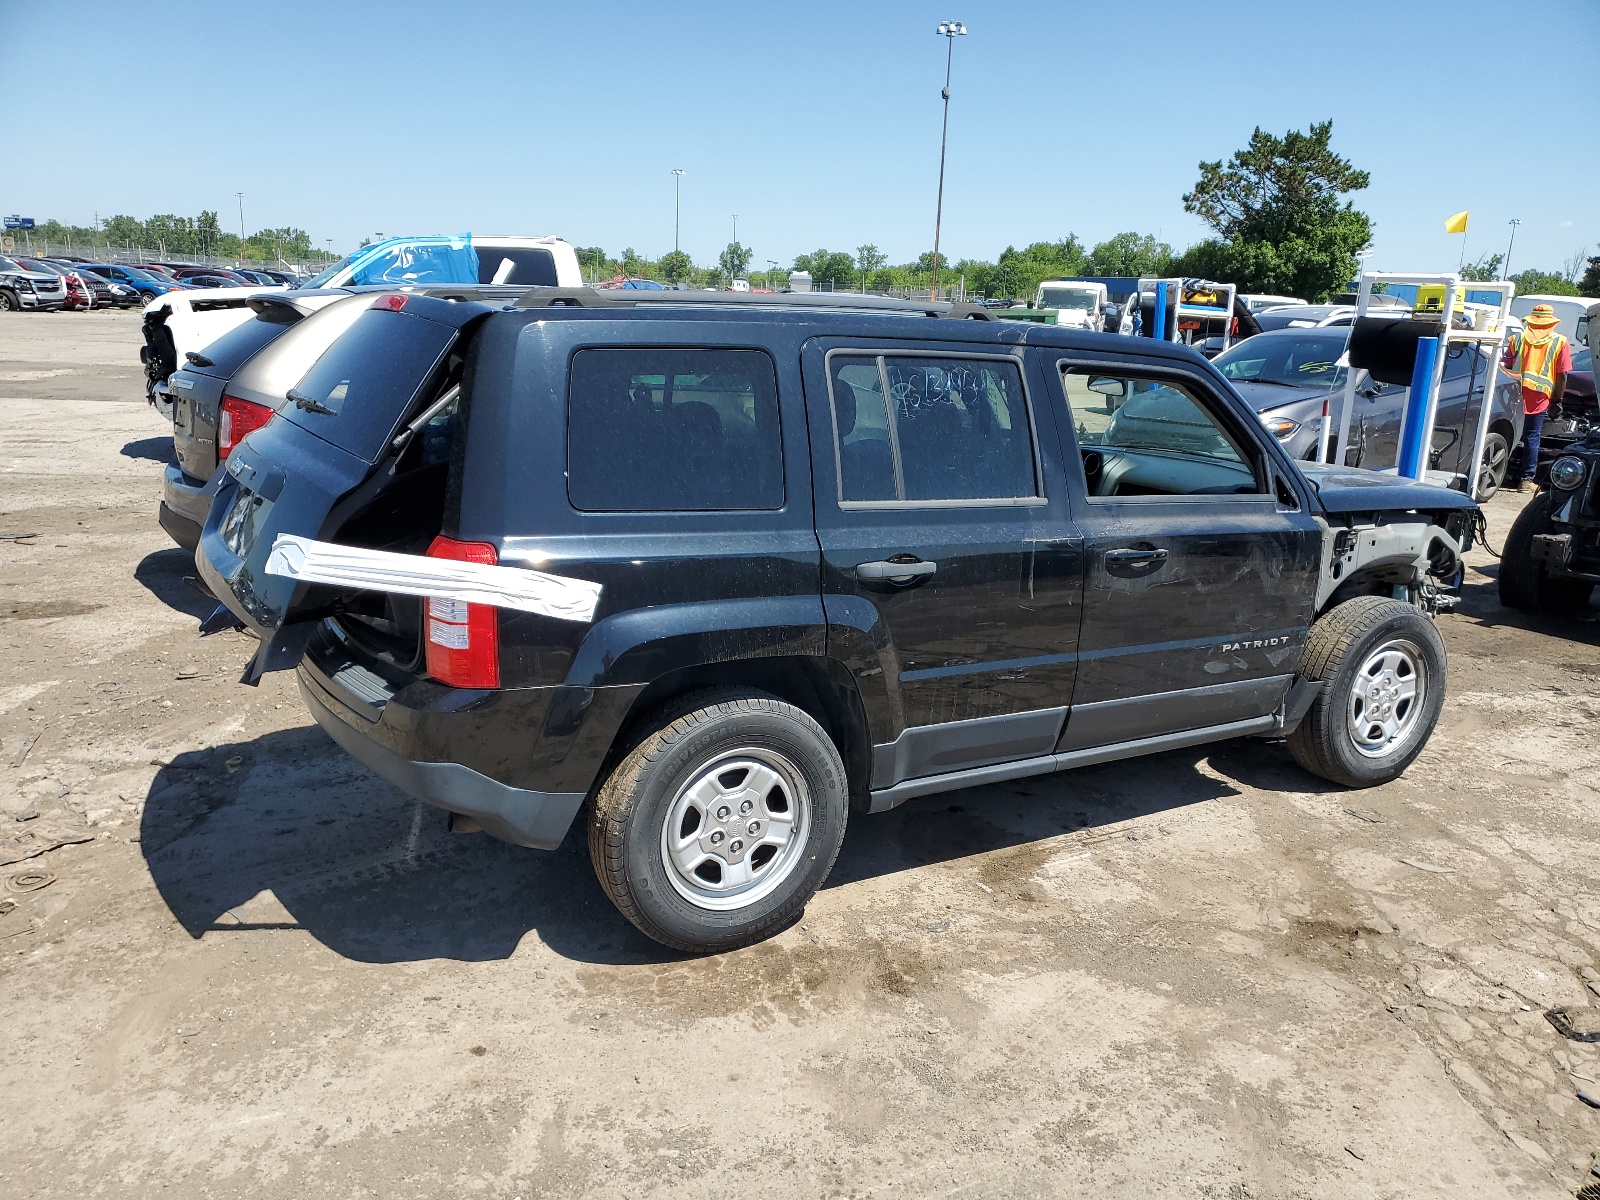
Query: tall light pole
{"type": "Point", "coordinates": [241, 225]}
{"type": "Point", "coordinates": [949, 30]}
{"type": "Point", "coordinates": [735, 229]}
{"type": "Point", "coordinates": [677, 204]}
{"type": "Point", "coordinates": [1505, 272]}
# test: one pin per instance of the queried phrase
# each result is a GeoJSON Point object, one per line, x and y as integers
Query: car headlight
{"type": "Point", "coordinates": [1280, 427]}
{"type": "Point", "coordinates": [1566, 472]}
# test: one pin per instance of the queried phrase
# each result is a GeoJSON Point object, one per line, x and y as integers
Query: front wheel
{"type": "Point", "coordinates": [717, 827]}
{"type": "Point", "coordinates": [8, 302]}
{"type": "Point", "coordinates": [1492, 469]}
{"type": "Point", "coordinates": [1382, 667]}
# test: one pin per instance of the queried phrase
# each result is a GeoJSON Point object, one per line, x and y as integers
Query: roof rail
{"type": "Point", "coordinates": [586, 297]}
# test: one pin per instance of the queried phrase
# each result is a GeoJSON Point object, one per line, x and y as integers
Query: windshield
{"type": "Point", "coordinates": [1080, 299]}
{"type": "Point", "coordinates": [146, 276]}
{"type": "Point", "coordinates": [1297, 359]}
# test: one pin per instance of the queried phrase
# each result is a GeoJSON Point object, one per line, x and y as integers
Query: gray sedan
{"type": "Point", "coordinates": [1286, 375]}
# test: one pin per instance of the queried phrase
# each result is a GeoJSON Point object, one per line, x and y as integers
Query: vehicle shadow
{"type": "Point", "coordinates": [165, 575]}
{"type": "Point", "coordinates": [1480, 603]}
{"type": "Point", "coordinates": [156, 449]}
{"type": "Point", "coordinates": [954, 825]}
{"type": "Point", "coordinates": [287, 831]}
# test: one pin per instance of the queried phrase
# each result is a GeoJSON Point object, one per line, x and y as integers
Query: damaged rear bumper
{"type": "Point", "coordinates": [521, 816]}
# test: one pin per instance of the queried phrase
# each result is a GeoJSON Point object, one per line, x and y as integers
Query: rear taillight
{"type": "Point", "coordinates": [463, 639]}
{"type": "Point", "coordinates": [239, 417]}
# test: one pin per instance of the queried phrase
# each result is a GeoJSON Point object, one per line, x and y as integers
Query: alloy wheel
{"type": "Point", "coordinates": [1386, 697]}
{"type": "Point", "coordinates": [737, 830]}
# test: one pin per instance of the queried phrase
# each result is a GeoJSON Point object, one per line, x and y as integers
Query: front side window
{"type": "Point", "coordinates": [667, 430]}
{"type": "Point", "coordinates": [931, 429]}
{"type": "Point", "coordinates": [1143, 436]}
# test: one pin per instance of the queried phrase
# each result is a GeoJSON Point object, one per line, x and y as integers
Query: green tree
{"type": "Point", "coordinates": [633, 266]}
{"type": "Point", "coordinates": [925, 262]}
{"type": "Point", "coordinates": [676, 266]}
{"type": "Point", "coordinates": [870, 259]}
{"type": "Point", "coordinates": [1019, 272]}
{"type": "Point", "coordinates": [1277, 206]}
{"type": "Point", "coordinates": [1589, 285]}
{"type": "Point", "coordinates": [1130, 255]}
{"type": "Point", "coordinates": [734, 260]}
{"type": "Point", "coordinates": [1543, 283]}
{"type": "Point", "coordinates": [831, 270]}
{"type": "Point", "coordinates": [1483, 268]}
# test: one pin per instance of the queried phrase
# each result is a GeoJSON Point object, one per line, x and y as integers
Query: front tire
{"type": "Point", "coordinates": [8, 302]}
{"type": "Point", "coordinates": [1382, 666]}
{"type": "Point", "coordinates": [720, 824]}
{"type": "Point", "coordinates": [1528, 585]}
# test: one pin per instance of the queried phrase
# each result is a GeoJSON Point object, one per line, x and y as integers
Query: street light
{"type": "Point", "coordinates": [677, 179]}
{"type": "Point", "coordinates": [1505, 272]}
{"type": "Point", "coordinates": [950, 31]}
{"type": "Point", "coordinates": [241, 225]}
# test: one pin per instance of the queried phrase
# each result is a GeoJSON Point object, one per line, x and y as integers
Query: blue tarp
{"type": "Point", "coordinates": [418, 260]}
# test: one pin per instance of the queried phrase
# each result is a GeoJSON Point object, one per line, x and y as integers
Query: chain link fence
{"type": "Point", "coordinates": [21, 243]}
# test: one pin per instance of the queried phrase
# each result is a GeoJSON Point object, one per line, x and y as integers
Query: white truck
{"type": "Point", "coordinates": [191, 319]}
{"type": "Point", "coordinates": [1075, 303]}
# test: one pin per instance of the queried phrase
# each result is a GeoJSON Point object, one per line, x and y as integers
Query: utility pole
{"type": "Point", "coordinates": [949, 30]}
{"type": "Point", "coordinates": [1505, 271]}
{"type": "Point", "coordinates": [677, 204]}
{"type": "Point", "coordinates": [241, 225]}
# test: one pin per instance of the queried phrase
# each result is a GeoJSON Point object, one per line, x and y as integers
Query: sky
{"type": "Point", "coordinates": [817, 123]}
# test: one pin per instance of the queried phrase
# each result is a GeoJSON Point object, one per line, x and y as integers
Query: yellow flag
{"type": "Point", "coordinates": [1457, 223]}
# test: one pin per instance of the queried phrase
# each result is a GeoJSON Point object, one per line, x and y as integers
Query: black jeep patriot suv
{"type": "Point", "coordinates": [849, 553]}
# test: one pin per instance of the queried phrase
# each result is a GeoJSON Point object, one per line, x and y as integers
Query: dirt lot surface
{"type": "Point", "coordinates": [266, 973]}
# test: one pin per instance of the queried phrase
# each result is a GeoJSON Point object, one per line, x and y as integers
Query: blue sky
{"type": "Point", "coordinates": [817, 123]}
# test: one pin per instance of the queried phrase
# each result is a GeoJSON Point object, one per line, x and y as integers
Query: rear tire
{"type": "Point", "coordinates": [1382, 667]}
{"type": "Point", "coordinates": [1527, 585]}
{"type": "Point", "coordinates": [719, 825]}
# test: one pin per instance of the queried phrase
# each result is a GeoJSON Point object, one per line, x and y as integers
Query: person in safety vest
{"type": "Point", "coordinates": [1543, 358]}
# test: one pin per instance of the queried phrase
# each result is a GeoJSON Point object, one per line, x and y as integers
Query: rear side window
{"type": "Point", "coordinates": [230, 351]}
{"type": "Point", "coordinates": [931, 429]}
{"type": "Point", "coordinates": [357, 391]}
{"type": "Point", "coordinates": [668, 430]}
{"type": "Point", "coordinates": [536, 268]}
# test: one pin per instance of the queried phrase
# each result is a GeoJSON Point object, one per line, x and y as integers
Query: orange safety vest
{"type": "Point", "coordinates": [1536, 362]}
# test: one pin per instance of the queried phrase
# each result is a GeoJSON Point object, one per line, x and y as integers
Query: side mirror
{"type": "Point", "coordinates": [1116, 389]}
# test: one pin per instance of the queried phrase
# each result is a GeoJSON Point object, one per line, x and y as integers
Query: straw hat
{"type": "Point", "coordinates": [1542, 317]}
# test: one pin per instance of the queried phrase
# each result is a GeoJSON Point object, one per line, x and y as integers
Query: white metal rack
{"type": "Point", "coordinates": [1202, 311]}
{"type": "Point", "coordinates": [1491, 334]}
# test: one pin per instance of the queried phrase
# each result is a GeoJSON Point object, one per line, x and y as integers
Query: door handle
{"type": "Point", "coordinates": [893, 571]}
{"type": "Point", "coordinates": [1136, 556]}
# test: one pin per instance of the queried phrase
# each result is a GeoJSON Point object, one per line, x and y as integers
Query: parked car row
{"type": "Point", "coordinates": [29, 282]}
{"type": "Point", "coordinates": [705, 573]}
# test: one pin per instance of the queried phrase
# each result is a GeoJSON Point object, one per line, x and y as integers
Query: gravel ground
{"type": "Point", "coordinates": [1202, 974]}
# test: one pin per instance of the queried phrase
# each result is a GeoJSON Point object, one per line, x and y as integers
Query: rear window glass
{"type": "Point", "coordinates": [359, 388]}
{"type": "Point", "coordinates": [673, 431]}
{"type": "Point", "coordinates": [230, 351]}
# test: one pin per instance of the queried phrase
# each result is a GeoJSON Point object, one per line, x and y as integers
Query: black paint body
{"type": "Point", "coordinates": [1025, 641]}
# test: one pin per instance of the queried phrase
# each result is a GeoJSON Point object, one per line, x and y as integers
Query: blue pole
{"type": "Point", "coordinates": [1413, 450]}
{"type": "Point", "coordinates": [1160, 315]}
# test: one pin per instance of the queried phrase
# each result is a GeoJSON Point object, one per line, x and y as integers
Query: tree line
{"type": "Point", "coordinates": [183, 237]}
